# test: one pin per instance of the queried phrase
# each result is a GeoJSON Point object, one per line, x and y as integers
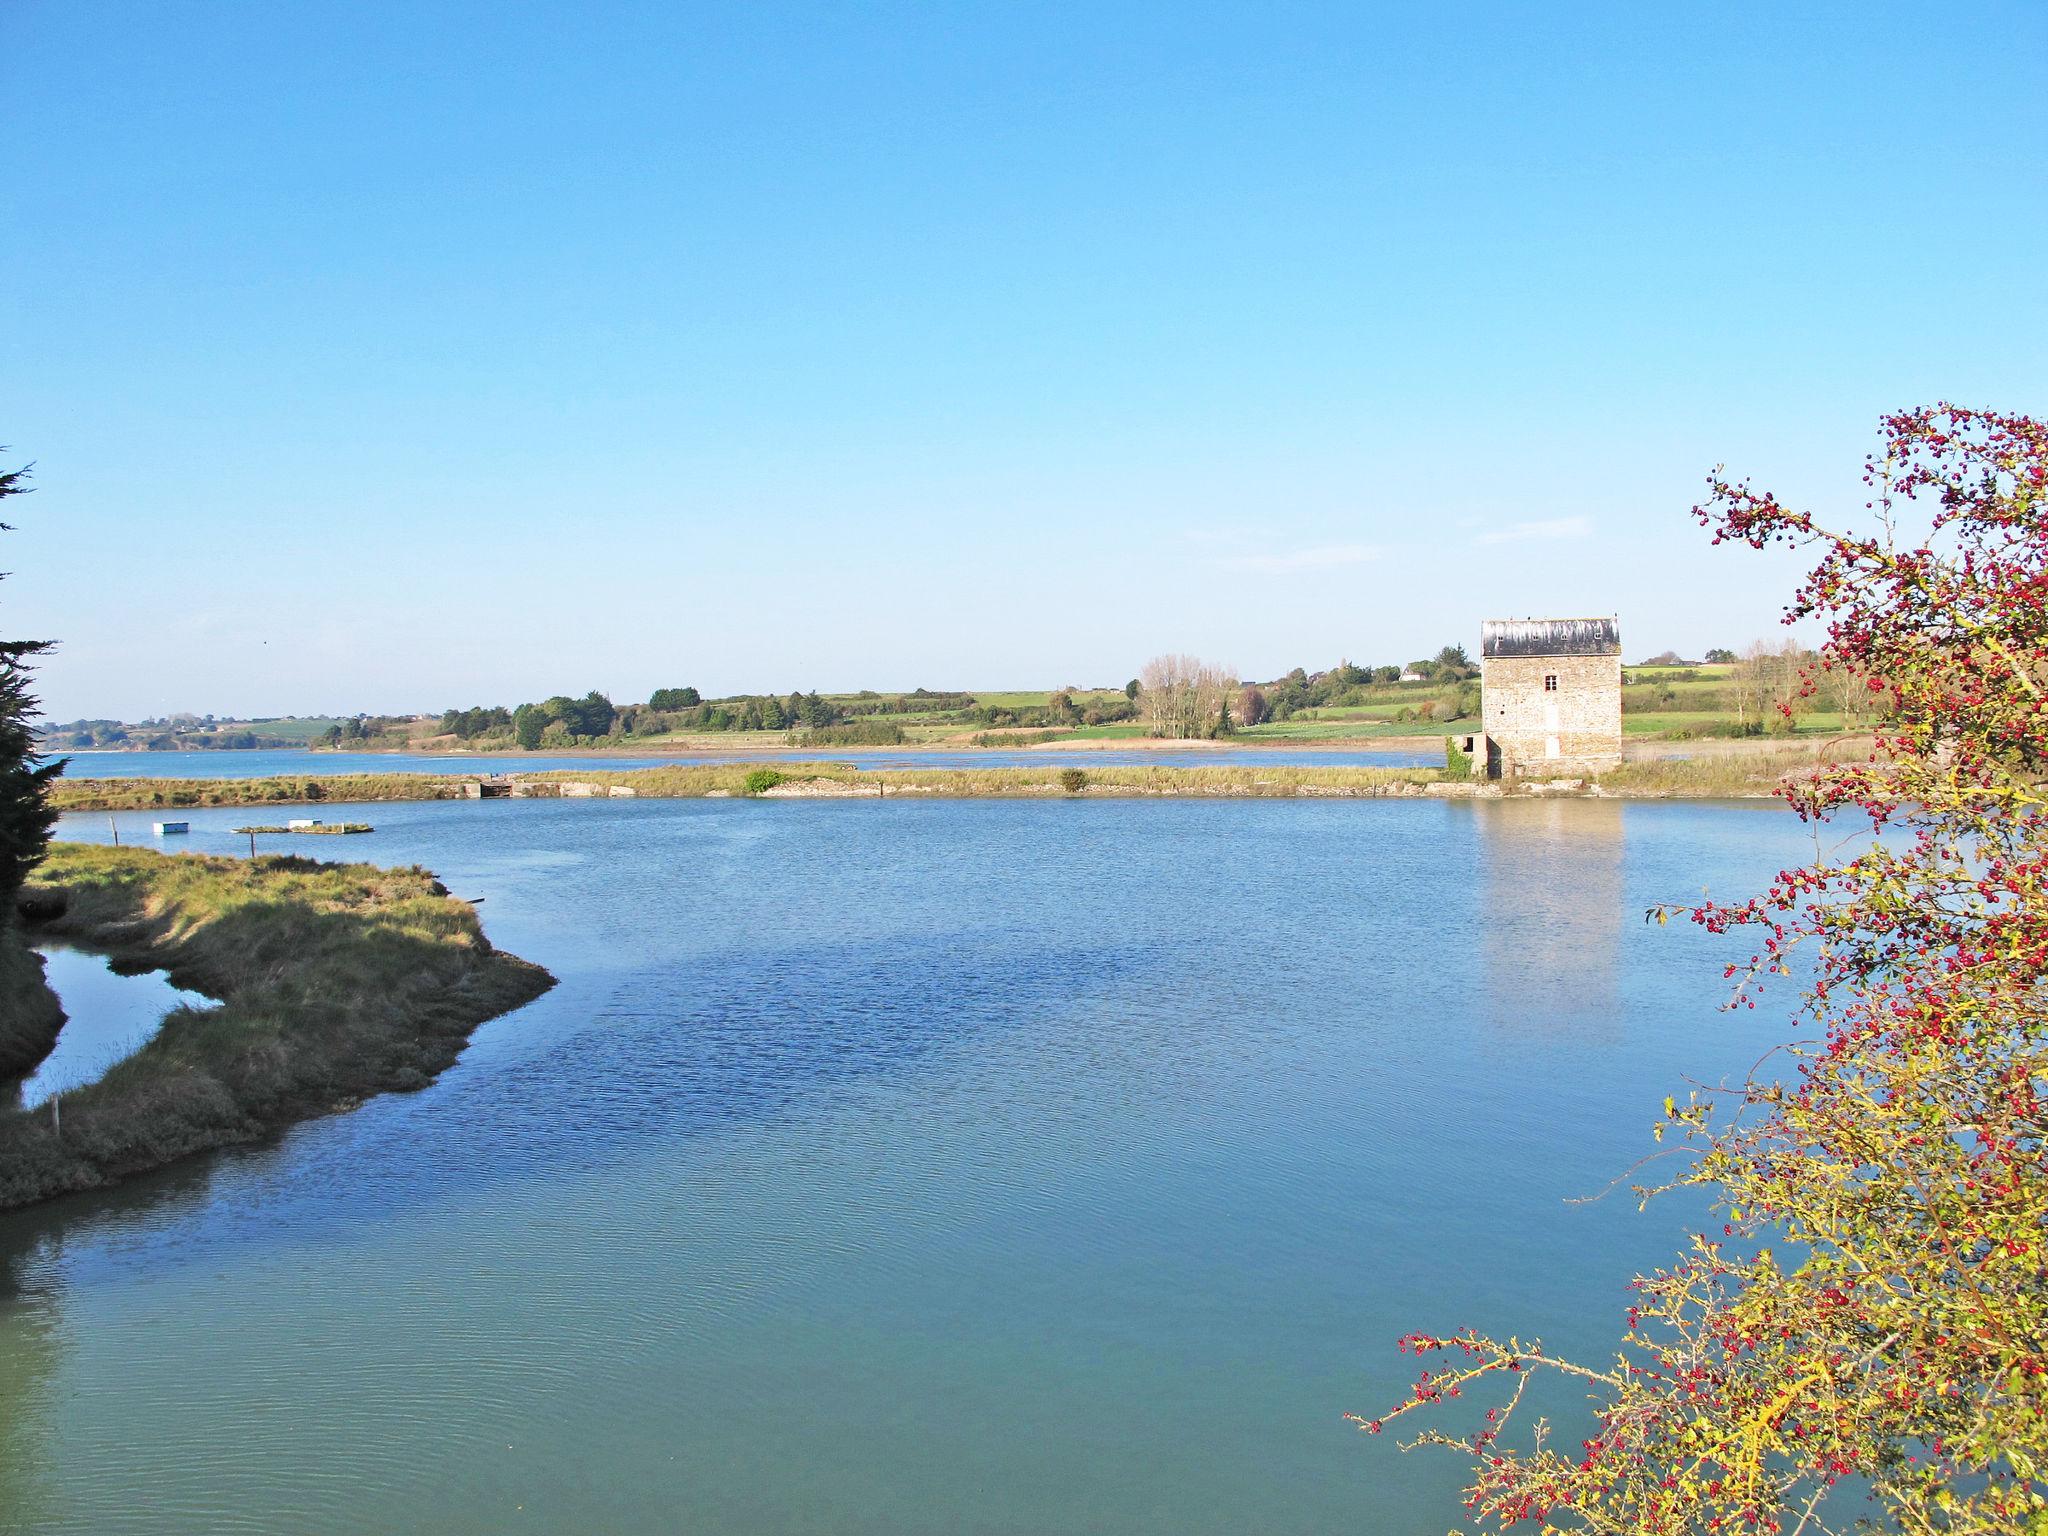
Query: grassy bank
{"type": "Point", "coordinates": [1709, 770]}
{"type": "Point", "coordinates": [30, 1014]}
{"type": "Point", "coordinates": [334, 981]}
{"type": "Point", "coordinates": [697, 780]}
{"type": "Point", "coordinates": [180, 794]}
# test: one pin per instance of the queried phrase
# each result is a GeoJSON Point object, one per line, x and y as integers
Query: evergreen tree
{"type": "Point", "coordinates": [528, 721]}
{"type": "Point", "coordinates": [26, 818]}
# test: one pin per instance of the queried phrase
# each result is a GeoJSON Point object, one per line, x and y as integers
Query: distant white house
{"type": "Point", "coordinates": [1413, 677]}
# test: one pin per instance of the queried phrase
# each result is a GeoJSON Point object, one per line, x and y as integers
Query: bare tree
{"type": "Point", "coordinates": [1769, 682]}
{"type": "Point", "coordinates": [1184, 696]}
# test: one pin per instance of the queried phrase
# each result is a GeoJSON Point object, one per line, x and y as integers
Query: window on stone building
{"type": "Point", "coordinates": [1550, 683]}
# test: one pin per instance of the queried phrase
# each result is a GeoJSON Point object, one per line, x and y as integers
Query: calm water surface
{"type": "Point", "coordinates": [971, 1166]}
{"type": "Point", "coordinates": [294, 764]}
{"type": "Point", "coordinates": [107, 1016]}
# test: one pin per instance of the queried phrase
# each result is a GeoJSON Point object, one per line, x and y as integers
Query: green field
{"type": "Point", "coordinates": [1657, 702]}
{"type": "Point", "coordinates": [305, 728]}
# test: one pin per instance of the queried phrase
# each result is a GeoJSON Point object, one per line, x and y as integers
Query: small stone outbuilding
{"type": "Point", "coordinates": [1550, 697]}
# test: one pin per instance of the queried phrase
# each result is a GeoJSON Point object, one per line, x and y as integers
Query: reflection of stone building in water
{"type": "Point", "coordinates": [1551, 898]}
{"type": "Point", "coordinates": [1550, 697]}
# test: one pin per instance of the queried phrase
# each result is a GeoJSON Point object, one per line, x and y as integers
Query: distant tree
{"type": "Point", "coordinates": [1452, 659]}
{"type": "Point", "coordinates": [1769, 685]}
{"type": "Point", "coordinates": [25, 815]}
{"type": "Point", "coordinates": [592, 715]}
{"type": "Point", "coordinates": [1186, 697]}
{"type": "Point", "coordinates": [1386, 674]}
{"type": "Point", "coordinates": [1252, 707]}
{"type": "Point", "coordinates": [468, 724]}
{"type": "Point", "coordinates": [529, 723]}
{"type": "Point", "coordinates": [1720, 656]}
{"type": "Point", "coordinates": [1131, 689]}
{"type": "Point", "coordinates": [674, 698]}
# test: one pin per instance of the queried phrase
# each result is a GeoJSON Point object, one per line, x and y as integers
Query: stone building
{"type": "Point", "coordinates": [1550, 697]}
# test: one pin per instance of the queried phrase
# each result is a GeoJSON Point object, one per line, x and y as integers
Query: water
{"type": "Point", "coordinates": [886, 1167]}
{"type": "Point", "coordinates": [107, 1016]}
{"type": "Point", "coordinates": [298, 764]}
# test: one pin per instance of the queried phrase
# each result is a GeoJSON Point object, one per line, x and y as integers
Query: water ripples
{"type": "Point", "coordinates": [978, 1166]}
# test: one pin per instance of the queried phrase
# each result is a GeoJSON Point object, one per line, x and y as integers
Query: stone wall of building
{"type": "Point", "coordinates": [1541, 732]}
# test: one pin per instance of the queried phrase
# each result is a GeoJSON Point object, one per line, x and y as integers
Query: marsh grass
{"type": "Point", "coordinates": [334, 981]}
{"type": "Point", "coordinates": [180, 794]}
{"type": "Point", "coordinates": [1713, 770]}
{"type": "Point", "coordinates": [1710, 774]}
{"type": "Point", "coordinates": [1244, 780]}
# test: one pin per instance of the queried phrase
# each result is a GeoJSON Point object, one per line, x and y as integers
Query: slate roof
{"type": "Point", "coordinates": [1550, 637]}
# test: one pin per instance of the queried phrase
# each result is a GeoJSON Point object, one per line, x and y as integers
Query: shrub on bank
{"type": "Point", "coordinates": [859, 733]}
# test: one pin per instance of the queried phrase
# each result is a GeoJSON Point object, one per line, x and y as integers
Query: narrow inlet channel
{"type": "Point", "coordinates": [107, 1017]}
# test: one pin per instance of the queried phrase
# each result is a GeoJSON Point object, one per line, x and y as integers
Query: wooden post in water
{"type": "Point", "coordinates": [252, 845]}
{"type": "Point", "coordinates": [114, 827]}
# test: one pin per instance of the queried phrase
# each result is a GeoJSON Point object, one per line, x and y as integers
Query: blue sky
{"type": "Point", "coordinates": [393, 356]}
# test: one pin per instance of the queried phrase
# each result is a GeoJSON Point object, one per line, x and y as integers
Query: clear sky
{"type": "Point", "coordinates": [388, 356]}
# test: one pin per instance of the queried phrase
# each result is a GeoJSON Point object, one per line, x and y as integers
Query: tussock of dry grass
{"type": "Point", "coordinates": [335, 981]}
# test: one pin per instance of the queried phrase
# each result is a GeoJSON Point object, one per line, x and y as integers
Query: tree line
{"type": "Point", "coordinates": [1184, 698]}
{"type": "Point", "coordinates": [562, 721]}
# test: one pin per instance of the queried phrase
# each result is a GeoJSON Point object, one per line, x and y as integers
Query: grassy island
{"type": "Point", "coordinates": [335, 981]}
{"type": "Point", "coordinates": [1708, 771]}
